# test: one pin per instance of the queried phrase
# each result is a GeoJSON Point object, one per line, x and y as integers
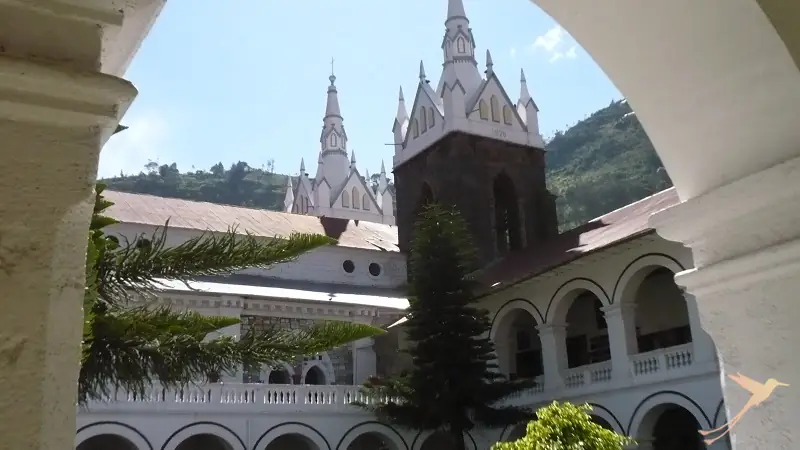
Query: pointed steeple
{"type": "Point", "coordinates": [333, 139]}
{"type": "Point", "coordinates": [402, 113]}
{"type": "Point", "coordinates": [489, 63]}
{"type": "Point", "coordinates": [302, 166]}
{"type": "Point", "coordinates": [524, 94]}
{"type": "Point", "coordinates": [332, 107]}
{"type": "Point", "coordinates": [352, 159]}
{"type": "Point", "coordinates": [455, 9]}
{"type": "Point", "coordinates": [383, 182]}
{"type": "Point", "coordinates": [422, 77]}
{"type": "Point", "coordinates": [288, 199]}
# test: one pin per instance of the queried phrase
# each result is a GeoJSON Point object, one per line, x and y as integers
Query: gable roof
{"type": "Point", "coordinates": [192, 215]}
{"type": "Point", "coordinates": [624, 224]}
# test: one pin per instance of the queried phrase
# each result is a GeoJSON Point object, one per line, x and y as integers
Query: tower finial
{"type": "Point", "coordinates": [422, 76]}
{"type": "Point", "coordinates": [489, 63]}
{"type": "Point", "coordinates": [383, 167]}
{"type": "Point", "coordinates": [522, 76]}
{"type": "Point", "coordinates": [400, 98]}
{"type": "Point", "coordinates": [302, 166]}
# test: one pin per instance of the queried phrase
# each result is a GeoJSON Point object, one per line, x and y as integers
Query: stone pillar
{"type": "Point", "coordinates": [53, 122]}
{"type": "Point", "coordinates": [233, 310]}
{"type": "Point", "coordinates": [704, 351]}
{"type": "Point", "coordinates": [364, 360]}
{"type": "Point", "coordinates": [621, 321]}
{"type": "Point", "coordinates": [554, 354]}
{"type": "Point", "coordinates": [745, 239]}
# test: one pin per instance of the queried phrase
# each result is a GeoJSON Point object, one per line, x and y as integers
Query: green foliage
{"type": "Point", "coordinates": [566, 427]}
{"type": "Point", "coordinates": [130, 346]}
{"type": "Point", "coordinates": [454, 385]}
{"type": "Point", "coordinates": [598, 165]}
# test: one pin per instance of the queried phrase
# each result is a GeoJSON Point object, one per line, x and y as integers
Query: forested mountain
{"type": "Point", "coordinates": [602, 163]}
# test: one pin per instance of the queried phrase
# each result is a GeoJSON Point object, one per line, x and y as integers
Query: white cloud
{"type": "Point", "coordinates": [129, 150]}
{"type": "Point", "coordinates": [513, 52]}
{"type": "Point", "coordinates": [557, 44]}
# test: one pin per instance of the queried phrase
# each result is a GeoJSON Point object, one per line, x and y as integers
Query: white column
{"type": "Point", "coordinates": [233, 310]}
{"type": "Point", "coordinates": [554, 354]}
{"type": "Point", "coordinates": [704, 351]}
{"type": "Point", "coordinates": [621, 321]}
{"type": "Point", "coordinates": [365, 360]}
{"type": "Point", "coordinates": [53, 122]}
{"type": "Point", "coordinates": [745, 239]}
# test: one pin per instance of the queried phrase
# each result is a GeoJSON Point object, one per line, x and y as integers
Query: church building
{"type": "Point", "coordinates": [593, 314]}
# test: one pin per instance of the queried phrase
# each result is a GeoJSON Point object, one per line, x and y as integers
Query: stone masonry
{"type": "Point", "coordinates": [341, 358]}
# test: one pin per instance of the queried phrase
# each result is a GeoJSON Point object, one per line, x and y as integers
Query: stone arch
{"type": "Point", "coordinates": [231, 440]}
{"type": "Point", "coordinates": [315, 374]}
{"type": "Point", "coordinates": [720, 414]}
{"type": "Point", "coordinates": [566, 293]}
{"type": "Point", "coordinates": [514, 332]}
{"type": "Point", "coordinates": [283, 372]}
{"type": "Point", "coordinates": [423, 436]}
{"type": "Point", "coordinates": [322, 362]}
{"type": "Point", "coordinates": [635, 67]}
{"type": "Point", "coordinates": [604, 413]}
{"type": "Point", "coordinates": [636, 271]}
{"type": "Point", "coordinates": [647, 411]}
{"type": "Point", "coordinates": [296, 428]}
{"type": "Point", "coordinates": [126, 432]}
{"type": "Point", "coordinates": [378, 428]}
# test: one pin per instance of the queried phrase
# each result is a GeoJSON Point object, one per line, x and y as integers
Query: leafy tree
{"type": "Point", "coordinates": [454, 385]}
{"type": "Point", "coordinates": [566, 427]}
{"type": "Point", "coordinates": [129, 346]}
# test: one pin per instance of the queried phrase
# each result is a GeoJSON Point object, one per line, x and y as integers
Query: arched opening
{"type": "Point", "coordinates": [508, 229]}
{"type": "Point", "coordinates": [107, 442]}
{"type": "Point", "coordinates": [671, 427]}
{"type": "Point", "coordinates": [495, 106]}
{"type": "Point", "coordinates": [483, 109]}
{"type": "Point", "coordinates": [345, 199]}
{"type": "Point", "coordinates": [517, 432]}
{"type": "Point", "coordinates": [517, 345]}
{"type": "Point", "coordinates": [315, 376]}
{"type": "Point", "coordinates": [355, 198]}
{"type": "Point", "coordinates": [365, 202]}
{"type": "Point", "coordinates": [587, 344]}
{"type": "Point", "coordinates": [439, 440]}
{"type": "Point", "coordinates": [203, 442]}
{"type": "Point", "coordinates": [424, 118]}
{"type": "Point", "coordinates": [431, 118]}
{"type": "Point", "coordinates": [292, 441]}
{"type": "Point", "coordinates": [372, 441]}
{"type": "Point", "coordinates": [660, 331]}
{"type": "Point", "coordinates": [279, 376]}
{"type": "Point", "coordinates": [602, 422]}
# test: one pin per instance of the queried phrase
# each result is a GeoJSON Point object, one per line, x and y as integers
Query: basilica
{"type": "Point", "coordinates": [592, 314]}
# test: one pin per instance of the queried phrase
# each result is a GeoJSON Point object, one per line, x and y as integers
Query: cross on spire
{"type": "Point", "coordinates": [332, 61]}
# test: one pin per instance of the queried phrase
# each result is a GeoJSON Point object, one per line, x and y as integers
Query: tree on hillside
{"type": "Point", "coordinates": [566, 427]}
{"type": "Point", "coordinates": [129, 345]}
{"type": "Point", "coordinates": [454, 384]}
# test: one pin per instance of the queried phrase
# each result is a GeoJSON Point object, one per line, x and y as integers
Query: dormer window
{"type": "Point", "coordinates": [507, 115]}
{"type": "Point", "coordinates": [483, 109]}
{"type": "Point", "coordinates": [495, 109]}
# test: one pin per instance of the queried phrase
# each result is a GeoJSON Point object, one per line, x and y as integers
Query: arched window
{"type": "Point", "coordinates": [506, 115]}
{"type": "Point", "coordinates": [508, 229]}
{"type": "Point", "coordinates": [333, 139]}
{"type": "Point", "coordinates": [355, 198]}
{"type": "Point", "coordinates": [431, 119]}
{"type": "Point", "coordinates": [462, 45]}
{"type": "Point", "coordinates": [483, 109]}
{"type": "Point", "coordinates": [415, 128]}
{"type": "Point", "coordinates": [424, 118]}
{"type": "Point", "coordinates": [495, 109]}
{"type": "Point", "coordinates": [345, 199]}
{"type": "Point", "coordinates": [365, 202]}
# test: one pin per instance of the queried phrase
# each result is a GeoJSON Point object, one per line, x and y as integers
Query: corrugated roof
{"type": "Point", "coordinates": [615, 227]}
{"type": "Point", "coordinates": [151, 210]}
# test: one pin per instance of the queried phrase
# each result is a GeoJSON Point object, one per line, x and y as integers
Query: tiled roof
{"type": "Point", "coordinates": [615, 227]}
{"type": "Point", "coordinates": [152, 210]}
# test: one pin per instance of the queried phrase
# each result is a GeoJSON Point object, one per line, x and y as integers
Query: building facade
{"type": "Point", "coordinates": [592, 314]}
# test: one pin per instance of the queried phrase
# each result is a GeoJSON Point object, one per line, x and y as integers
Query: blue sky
{"type": "Point", "coordinates": [247, 81]}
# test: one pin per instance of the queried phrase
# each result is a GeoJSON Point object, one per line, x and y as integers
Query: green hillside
{"type": "Point", "coordinates": [602, 163]}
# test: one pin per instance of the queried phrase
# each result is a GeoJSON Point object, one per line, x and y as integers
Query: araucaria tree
{"type": "Point", "coordinates": [128, 343]}
{"type": "Point", "coordinates": [454, 385]}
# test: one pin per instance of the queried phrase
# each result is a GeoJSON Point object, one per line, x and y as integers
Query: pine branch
{"type": "Point", "coordinates": [136, 266]}
{"type": "Point", "coordinates": [130, 348]}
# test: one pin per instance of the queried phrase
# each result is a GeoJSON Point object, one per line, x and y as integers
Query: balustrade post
{"type": "Point", "coordinates": [621, 321]}
{"type": "Point", "coordinates": [554, 354]}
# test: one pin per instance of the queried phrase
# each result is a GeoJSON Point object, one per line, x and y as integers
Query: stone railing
{"type": "Point", "coordinates": [661, 361]}
{"type": "Point", "coordinates": [241, 396]}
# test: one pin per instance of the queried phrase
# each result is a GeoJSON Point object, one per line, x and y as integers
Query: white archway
{"type": "Point", "coordinates": [324, 364]}
{"type": "Point", "coordinates": [562, 299]}
{"type": "Point", "coordinates": [603, 413]}
{"type": "Point", "coordinates": [283, 367]}
{"type": "Point", "coordinates": [223, 433]}
{"type": "Point", "coordinates": [372, 427]}
{"type": "Point", "coordinates": [635, 273]}
{"type": "Point", "coordinates": [419, 442]}
{"type": "Point", "coordinates": [305, 431]}
{"type": "Point", "coordinates": [647, 413]}
{"type": "Point", "coordinates": [737, 118]}
{"type": "Point", "coordinates": [114, 429]}
{"type": "Point", "coordinates": [510, 308]}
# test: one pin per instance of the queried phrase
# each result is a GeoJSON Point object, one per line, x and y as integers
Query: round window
{"type": "Point", "coordinates": [374, 269]}
{"type": "Point", "coordinates": [348, 266]}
